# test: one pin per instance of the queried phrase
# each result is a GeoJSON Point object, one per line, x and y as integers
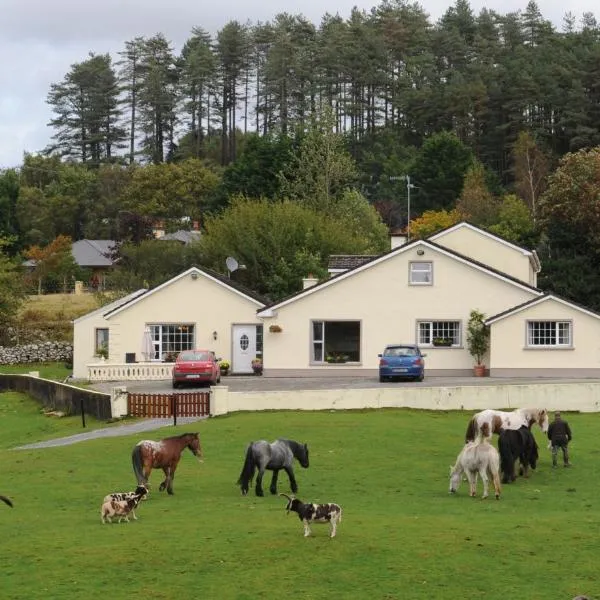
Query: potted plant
{"type": "Point", "coordinates": [257, 366]}
{"type": "Point", "coordinates": [102, 351]}
{"type": "Point", "coordinates": [441, 341]}
{"type": "Point", "coordinates": [275, 328]}
{"type": "Point", "coordinates": [224, 365]}
{"type": "Point", "coordinates": [478, 340]}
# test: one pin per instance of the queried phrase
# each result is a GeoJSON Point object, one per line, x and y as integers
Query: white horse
{"type": "Point", "coordinates": [477, 458]}
{"type": "Point", "coordinates": [498, 419]}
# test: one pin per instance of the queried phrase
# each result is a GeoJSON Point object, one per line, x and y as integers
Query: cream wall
{"type": "Point", "coordinates": [84, 341]}
{"type": "Point", "coordinates": [205, 303]}
{"type": "Point", "coordinates": [489, 251]}
{"type": "Point", "coordinates": [388, 309]}
{"type": "Point", "coordinates": [508, 340]}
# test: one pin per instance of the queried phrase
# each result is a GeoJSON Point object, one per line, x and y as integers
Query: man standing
{"type": "Point", "coordinates": [559, 434]}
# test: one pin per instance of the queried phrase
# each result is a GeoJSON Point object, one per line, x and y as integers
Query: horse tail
{"type": "Point", "coordinates": [247, 473]}
{"type": "Point", "coordinates": [471, 430]}
{"type": "Point", "coordinates": [138, 465]}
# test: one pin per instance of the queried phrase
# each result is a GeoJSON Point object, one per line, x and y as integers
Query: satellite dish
{"type": "Point", "coordinates": [232, 264]}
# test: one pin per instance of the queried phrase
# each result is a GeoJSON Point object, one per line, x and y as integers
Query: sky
{"type": "Point", "coordinates": [40, 40]}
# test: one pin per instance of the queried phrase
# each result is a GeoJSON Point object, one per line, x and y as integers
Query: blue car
{"type": "Point", "coordinates": [401, 361]}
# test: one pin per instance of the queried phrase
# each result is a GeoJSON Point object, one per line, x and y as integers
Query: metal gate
{"type": "Point", "coordinates": [187, 404]}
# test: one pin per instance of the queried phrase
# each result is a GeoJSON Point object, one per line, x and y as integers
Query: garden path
{"type": "Point", "coordinates": [137, 427]}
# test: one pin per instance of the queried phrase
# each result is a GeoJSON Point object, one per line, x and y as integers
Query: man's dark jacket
{"type": "Point", "coordinates": [559, 432]}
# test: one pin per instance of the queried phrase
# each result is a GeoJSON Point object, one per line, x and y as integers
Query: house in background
{"type": "Point", "coordinates": [96, 256]}
{"type": "Point", "coordinates": [196, 309]}
{"type": "Point", "coordinates": [417, 292]}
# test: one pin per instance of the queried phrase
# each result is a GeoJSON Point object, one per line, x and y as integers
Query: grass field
{"type": "Point", "coordinates": [402, 535]}
{"type": "Point", "coordinates": [52, 371]}
{"type": "Point", "coordinates": [51, 307]}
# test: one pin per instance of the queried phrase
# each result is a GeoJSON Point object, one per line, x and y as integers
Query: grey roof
{"type": "Point", "coordinates": [184, 236]}
{"type": "Point", "coordinates": [93, 253]}
{"type": "Point", "coordinates": [348, 261]}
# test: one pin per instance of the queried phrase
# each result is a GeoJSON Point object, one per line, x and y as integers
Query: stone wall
{"type": "Point", "coordinates": [36, 353]}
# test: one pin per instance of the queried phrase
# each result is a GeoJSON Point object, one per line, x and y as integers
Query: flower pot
{"type": "Point", "coordinates": [479, 370]}
{"type": "Point", "coordinates": [257, 370]}
{"type": "Point", "coordinates": [224, 370]}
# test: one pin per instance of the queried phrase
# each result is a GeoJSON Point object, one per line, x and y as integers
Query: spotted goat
{"type": "Point", "coordinates": [119, 508]}
{"type": "Point", "coordinates": [315, 513]}
{"type": "Point", "coordinates": [140, 490]}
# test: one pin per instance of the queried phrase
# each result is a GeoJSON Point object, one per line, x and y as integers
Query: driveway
{"type": "Point", "coordinates": [253, 383]}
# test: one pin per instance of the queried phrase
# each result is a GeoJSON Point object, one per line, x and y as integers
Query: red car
{"type": "Point", "coordinates": [196, 366]}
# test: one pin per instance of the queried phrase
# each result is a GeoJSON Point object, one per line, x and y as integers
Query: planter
{"type": "Point", "coordinates": [275, 329]}
{"type": "Point", "coordinates": [442, 343]}
{"type": "Point", "coordinates": [479, 370]}
{"type": "Point", "coordinates": [257, 370]}
{"type": "Point", "coordinates": [224, 370]}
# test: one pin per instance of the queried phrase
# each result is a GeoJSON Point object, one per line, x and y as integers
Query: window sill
{"type": "Point", "coordinates": [549, 348]}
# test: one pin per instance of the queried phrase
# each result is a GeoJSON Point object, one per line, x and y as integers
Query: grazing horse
{"type": "Point", "coordinates": [165, 454]}
{"type": "Point", "coordinates": [498, 419]}
{"type": "Point", "coordinates": [6, 500]}
{"type": "Point", "coordinates": [477, 458]}
{"type": "Point", "coordinates": [279, 455]}
{"type": "Point", "coordinates": [517, 444]}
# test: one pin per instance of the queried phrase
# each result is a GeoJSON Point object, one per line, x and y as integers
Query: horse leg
{"type": "Point", "coordinates": [472, 482]}
{"type": "Point", "coordinates": [170, 481]}
{"type": "Point", "coordinates": [259, 490]}
{"type": "Point", "coordinates": [496, 480]}
{"type": "Point", "coordinates": [306, 528]}
{"type": "Point", "coordinates": [273, 488]}
{"type": "Point", "coordinates": [484, 478]}
{"type": "Point", "coordinates": [163, 485]}
{"type": "Point", "coordinates": [293, 484]}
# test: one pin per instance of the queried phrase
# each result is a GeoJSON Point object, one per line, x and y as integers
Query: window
{"type": "Point", "coordinates": [171, 339]}
{"type": "Point", "coordinates": [447, 330]}
{"type": "Point", "coordinates": [101, 343]}
{"type": "Point", "coordinates": [335, 341]}
{"type": "Point", "coordinates": [421, 273]}
{"type": "Point", "coordinates": [549, 333]}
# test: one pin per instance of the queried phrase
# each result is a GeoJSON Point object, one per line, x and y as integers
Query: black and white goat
{"type": "Point", "coordinates": [315, 513]}
{"type": "Point", "coordinates": [139, 494]}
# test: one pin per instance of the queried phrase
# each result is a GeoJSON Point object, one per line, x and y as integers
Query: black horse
{"type": "Point", "coordinates": [516, 444]}
{"type": "Point", "coordinates": [279, 455]}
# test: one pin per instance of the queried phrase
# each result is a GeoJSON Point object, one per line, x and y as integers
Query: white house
{"type": "Point", "coordinates": [418, 291]}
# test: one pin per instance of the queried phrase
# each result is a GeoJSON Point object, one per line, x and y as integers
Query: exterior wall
{"type": "Point", "coordinates": [202, 302]}
{"type": "Point", "coordinates": [484, 249]}
{"type": "Point", "coordinates": [510, 355]}
{"type": "Point", "coordinates": [388, 309]}
{"type": "Point", "coordinates": [84, 338]}
{"type": "Point", "coordinates": [583, 396]}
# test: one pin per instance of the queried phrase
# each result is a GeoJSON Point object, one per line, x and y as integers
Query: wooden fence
{"type": "Point", "coordinates": [186, 404]}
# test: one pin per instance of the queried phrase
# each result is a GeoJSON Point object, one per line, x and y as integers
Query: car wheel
{"type": "Point", "coordinates": [382, 379]}
{"type": "Point", "coordinates": [420, 377]}
{"type": "Point", "coordinates": [218, 379]}
{"type": "Point", "coordinates": [175, 385]}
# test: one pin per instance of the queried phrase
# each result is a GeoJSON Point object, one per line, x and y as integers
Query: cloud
{"type": "Point", "coordinates": [40, 40]}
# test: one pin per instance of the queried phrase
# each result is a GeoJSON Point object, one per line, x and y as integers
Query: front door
{"type": "Point", "coordinates": [244, 348]}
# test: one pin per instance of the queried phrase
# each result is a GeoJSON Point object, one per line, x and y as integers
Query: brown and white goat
{"type": "Point", "coordinates": [141, 491]}
{"type": "Point", "coordinates": [118, 508]}
{"type": "Point", "coordinates": [315, 513]}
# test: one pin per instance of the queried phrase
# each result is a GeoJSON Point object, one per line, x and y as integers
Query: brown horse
{"type": "Point", "coordinates": [165, 455]}
{"type": "Point", "coordinates": [6, 500]}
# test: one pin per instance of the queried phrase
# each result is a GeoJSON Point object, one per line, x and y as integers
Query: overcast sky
{"type": "Point", "coordinates": [41, 39]}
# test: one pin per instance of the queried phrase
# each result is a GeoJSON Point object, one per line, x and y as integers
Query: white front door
{"type": "Point", "coordinates": [244, 348]}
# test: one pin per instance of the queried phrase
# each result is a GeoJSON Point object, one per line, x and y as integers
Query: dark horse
{"type": "Point", "coordinates": [279, 455]}
{"type": "Point", "coordinates": [165, 455]}
{"type": "Point", "coordinates": [6, 500]}
{"type": "Point", "coordinates": [516, 444]}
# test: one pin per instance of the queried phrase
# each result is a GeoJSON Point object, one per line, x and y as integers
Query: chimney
{"type": "Point", "coordinates": [397, 240]}
{"type": "Point", "coordinates": [309, 281]}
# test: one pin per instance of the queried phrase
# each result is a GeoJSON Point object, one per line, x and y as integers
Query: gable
{"type": "Point", "coordinates": [490, 250]}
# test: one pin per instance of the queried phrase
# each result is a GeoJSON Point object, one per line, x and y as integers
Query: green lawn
{"type": "Point", "coordinates": [53, 371]}
{"type": "Point", "coordinates": [402, 535]}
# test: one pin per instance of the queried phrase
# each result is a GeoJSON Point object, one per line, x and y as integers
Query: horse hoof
{"type": "Point", "coordinates": [259, 494]}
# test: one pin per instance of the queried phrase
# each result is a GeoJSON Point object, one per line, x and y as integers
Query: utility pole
{"type": "Point", "coordinates": [409, 186]}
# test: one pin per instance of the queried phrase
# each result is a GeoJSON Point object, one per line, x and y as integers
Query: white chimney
{"type": "Point", "coordinates": [309, 281]}
{"type": "Point", "coordinates": [397, 240]}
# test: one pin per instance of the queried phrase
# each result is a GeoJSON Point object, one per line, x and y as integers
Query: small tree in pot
{"type": "Point", "coordinates": [478, 340]}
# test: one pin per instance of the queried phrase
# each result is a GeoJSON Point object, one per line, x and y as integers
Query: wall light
{"type": "Point", "coordinates": [420, 251]}
{"type": "Point", "coordinates": [194, 276]}
{"type": "Point", "coordinates": [215, 335]}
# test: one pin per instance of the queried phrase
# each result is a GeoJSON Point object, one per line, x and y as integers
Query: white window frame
{"type": "Point", "coordinates": [318, 341]}
{"type": "Point", "coordinates": [553, 336]}
{"type": "Point", "coordinates": [162, 344]}
{"type": "Point", "coordinates": [427, 330]}
{"type": "Point", "coordinates": [420, 273]}
{"type": "Point", "coordinates": [100, 332]}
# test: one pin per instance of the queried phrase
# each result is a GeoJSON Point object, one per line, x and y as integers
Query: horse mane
{"type": "Point", "coordinates": [182, 435]}
{"type": "Point", "coordinates": [295, 447]}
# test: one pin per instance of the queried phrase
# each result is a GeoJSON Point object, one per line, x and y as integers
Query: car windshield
{"type": "Point", "coordinates": [400, 351]}
{"type": "Point", "coordinates": [192, 355]}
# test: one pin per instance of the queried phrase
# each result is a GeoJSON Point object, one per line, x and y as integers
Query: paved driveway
{"type": "Point", "coordinates": [253, 383]}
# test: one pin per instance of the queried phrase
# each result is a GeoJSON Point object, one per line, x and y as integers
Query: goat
{"type": "Point", "coordinates": [6, 500]}
{"type": "Point", "coordinates": [141, 491]}
{"type": "Point", "coordinates": [118, 508]}
{"type": "Point", "coordinates": [315, 513]}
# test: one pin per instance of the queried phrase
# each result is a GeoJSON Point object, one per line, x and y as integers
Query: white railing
{"type": "Point", "coordinates": [129, 371]}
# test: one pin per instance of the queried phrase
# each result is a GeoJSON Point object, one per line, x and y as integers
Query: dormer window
{"type": "Point", "coordinates": [421, 273]}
